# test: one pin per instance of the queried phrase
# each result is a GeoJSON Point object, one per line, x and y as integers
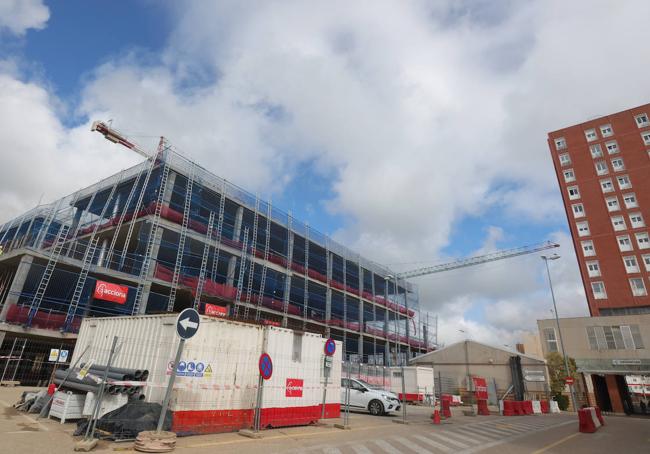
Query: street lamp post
{"type": "Point", "coordinates": [470, 393]}
{"type": "Point", "coordinates": [559, 330]}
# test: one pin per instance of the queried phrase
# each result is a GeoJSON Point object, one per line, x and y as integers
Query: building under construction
{"type": "Point", "coordinates": [167, 234]}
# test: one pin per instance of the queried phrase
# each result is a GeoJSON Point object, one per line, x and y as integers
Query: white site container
{"type": "Point", "coordinates": [67, 405]}
{"type": "Point", "coordinates": [217, 387]}
{"type": "Point", "coordinates": [418, 382]}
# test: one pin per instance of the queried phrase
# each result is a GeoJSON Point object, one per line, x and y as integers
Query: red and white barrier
{"type": "Point", "coordinates": [588, 420]}
{"type": "Point", "coordinates": [537, 407]}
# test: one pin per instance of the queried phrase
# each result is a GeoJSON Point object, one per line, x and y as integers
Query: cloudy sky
{"type": "Point", "coordinates": [412, 131]}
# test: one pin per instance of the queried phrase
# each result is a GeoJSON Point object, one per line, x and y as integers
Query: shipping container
{"type": "Point", "coordinates": [217, 377]}
{"type": "Point", "coordinates": [418, 383]}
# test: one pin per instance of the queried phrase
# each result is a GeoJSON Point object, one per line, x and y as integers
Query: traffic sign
{"type": "Point", "coordinates": [568, 380]}
{"type": "Point", "coordinates": [266, 366]}
{"type": "Point", "coordinates": [330, 347]}
{"type": "Point", "coordinates": [187, 323]}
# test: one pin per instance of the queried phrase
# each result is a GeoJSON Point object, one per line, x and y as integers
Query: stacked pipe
{"type": "Point", "coordinates": [113, 374]}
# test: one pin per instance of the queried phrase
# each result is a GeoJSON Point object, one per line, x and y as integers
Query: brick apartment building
{"type": "Point", "coordinates": [603, 169]}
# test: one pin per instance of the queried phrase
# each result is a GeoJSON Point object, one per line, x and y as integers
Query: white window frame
{"type": "Point", "coordinates": [588, 248]}
{"type": "Point", "coordinates": [636, 289]}
{"type": "Point", "coordinates": [633, 203]}
{"type": "Point", "coordinates": [569, 176]}
{"type": "Point", "coordinates": [636, 220]}
{"type": "Point", "coordinates": [618, 222]}
{"type": "Point", "coordinates": [583, 228]}
{"type": "Point", "coordinates": [601, 168]}
{"type": "Point", "coordinates": [591, 135]}
{"type": "Point", "coordinates": [623, 186]}
{"type": "Point", "coordinates": [593, 268]}
{"type": "Point", "coordinates": [646, 137]}
{"type": "Point", "coordinates": [548, 341]}
{"type": "Point", "coordinates": [631, 264]}
{"type": "Point", "coordinates": [642, 240]}
{"type": "Point", "coordinates": [560, 143]}
{"type": "Point", "coordinates": [646, 262]}
{"type": "Point", "coordinates": [624, 243]}
{"type": "Point", "coordinates": [612, 204]}
{"type": "Point", "coordinates": [618, 168]}
{"type": "Point", "coordinates": [606, 185]}
{"type": "Point", "coordinates": [575, 190]}
{"type": "Point", "coordinates": [612, 147]}
{"type": "Point", "coordinates": [565, 159]}
{"type": "Point", "coordinates": [578, 210]}
{"type": "Point", "coordinates": [599, 295]}
{"type": "Point", "coordinates": [596, 150]}
{"type": "Point", "coordinates": [606, 130]}
{"type": "Point", "coordinates": [642, 120]}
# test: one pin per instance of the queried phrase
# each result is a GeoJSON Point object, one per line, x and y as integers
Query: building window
{"type": "Point", "coordinates": [596, 151]}
{"type": "Point", "coordinates": [631, 265]}
{"type": "Point", "coordinates": [588, 249]}
{"type": "Point", "coordinates": [618, 164]}
{"type": "Point", "coordinates": [638, 287]}
{"type": "Point", "coordinates": [624, 182]}
{"type": "Point", "coordinates": [642, 120]}
{"type": "Point", "coordinates": [560, 143]}
{"type": "Point", "coordinates": [630, 201]}
{"type": "Point", "coordinates": [606, 185]}
{"type": "Point", "coordinates": [598, 288]}
{"type": "Point", "coordinates": [601, 168]}
{"type": "Point", "coordinates": [646, 137]}
{"type": "Point", "coordinates": [632, 336]}
{"type": "Point", "coordinates": [551, 339]}
{"type": "Point", "coordinates": [624, 243]}
{"type": "Point", "coordinates": [606, 130]}
{"type": "Point", "coordinates": [636, 220]}
{"type": "Point", "coordinates": [612, 204]}
{"type": "Point", "coordinates": [616, 337]}
{"type": "Point", "coordinates": [565, 160]}
{"type": "Point", "coordinates": [583, 228]}
{"type": "Point", "coordinates": [618, 223]}
{"type": "Point", "coordinates": [591, 135]}
{"type": "Point", "coordinates": [578, 210]}
{"type": "Point", "coordinates": [569, 176]}
{"type": "Point", "coordinates": [574, 192]}
{"type": "Point", "coordinates": [646, 262]}
{"type": "Point", "coordinates": [593, 269]}
{"type": "Point", "coordinates": [612, 147]}
{"type": "Point", "coordinates": [642, 240]}
{"type": "Point", "coordinates": [297, 347]}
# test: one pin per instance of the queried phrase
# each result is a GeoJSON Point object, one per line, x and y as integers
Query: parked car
{"type": "Point", "coordinates": [370, 398]}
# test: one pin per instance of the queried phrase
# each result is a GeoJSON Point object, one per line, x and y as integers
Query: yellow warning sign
{"type": "Point", "coordinates": [208, 371]}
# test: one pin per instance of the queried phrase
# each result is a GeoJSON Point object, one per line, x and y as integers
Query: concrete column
{"type": "Point", "coordinates": [17, 285]}
{"type": "Point", "coordinates": [614, 394]}
{"type": "Point", "coordinates": [168, 190]}
{"type": "Point", "coordinates": [591, 395]}
{"type": "Point", "coordinates": [144, 300]}
{"type": "Point", "coordinates": [230, 276]}
{"type": "Point", "coordinates": [239, 217]}
{"type": "Point", "coordinates": [102, 252]}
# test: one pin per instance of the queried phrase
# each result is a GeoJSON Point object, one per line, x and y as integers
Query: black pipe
{"type": "Point", "coordinates": [76, 386]}
{"type": "Point", "coordinates": [117, 370]}
{"type": "Point", "coordinates": [85, 381]}
{"type": "Point", "coordinates": [113, 375]}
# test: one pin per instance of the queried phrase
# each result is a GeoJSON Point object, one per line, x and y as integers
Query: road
{"type": "Point", "coordinates": [488, 434]}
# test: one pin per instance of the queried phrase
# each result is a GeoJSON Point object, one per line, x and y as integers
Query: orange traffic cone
{"type": "Point", "coordinates": [436, 416]}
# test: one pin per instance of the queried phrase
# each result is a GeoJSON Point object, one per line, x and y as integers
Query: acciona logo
{"type": "Point", "coordinates": [294, 387]}
{"type": "Point", "coordinates": [110, 292]}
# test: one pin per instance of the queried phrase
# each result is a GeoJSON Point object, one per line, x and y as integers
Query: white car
{"type": "Point", "coordinates": [370, 398]}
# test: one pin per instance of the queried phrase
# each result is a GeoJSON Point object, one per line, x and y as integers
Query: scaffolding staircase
{"type": "Point", "coordinates": [306, 288]}
{"type": "Point", "coordinates": [249, 285]}
{"type": "Point", "coordinates": [217, 242]}
{"type": "Point", "coordinates": [47, 274]}
{"type": "Point", "coordinates": [89, 255]}
{"type": "Point", "coordinates": [204, 262]}
{"type": "Point", "coordinates": [267, 241]}
{"type": "Point", "coordinates": [242, 271]}
{"type": "Point", "coordinates": [181, 241]}
{"type": "Point", "coordinates": [288, 274]}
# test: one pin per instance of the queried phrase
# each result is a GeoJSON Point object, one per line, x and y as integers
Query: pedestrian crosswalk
{"type": "Point", "coordinates": [447, 438]}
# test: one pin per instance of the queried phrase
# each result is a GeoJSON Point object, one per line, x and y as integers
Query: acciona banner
{"type": "Point", "coordinates": [294, 387]}
{"type": "Point", "coordinates": [110, 292]}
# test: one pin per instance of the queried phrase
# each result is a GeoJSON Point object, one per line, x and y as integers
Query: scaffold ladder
{"type": "Point", "coordinates": [47, 274]}
{"type": "Point", "coordinates": [81, 282]}
{"type": "Point", "coordinates": [249, 285]}
{"type": "Point", "coordinates": [267, 241]}
{"type": "Point", "coordinates": [217, 242]}
{"type": "Point", "coordinates": [47, 223]}
{"type": "Point", "coordinates": [146, 261]}
{"type": "Point", "coordinates": [242, 271]}
{"type": "Point", "coordinates": [306, 288]}
{"type": "Point", "coordinates": [287, 279]}
{"type": "Point", "coordinates": [204, 262]}
{"type": "Point", "coordinates": [181, 240]}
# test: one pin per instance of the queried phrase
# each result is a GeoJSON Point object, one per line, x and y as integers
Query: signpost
{"type": "Point", "coordinates": [568, 381]}
{"type": "Point", "coordinates": [265, 365]}
{"type": "Point", "coordinates": [330, 349]}
{"type": "Point", "coordinates": [187, 324]}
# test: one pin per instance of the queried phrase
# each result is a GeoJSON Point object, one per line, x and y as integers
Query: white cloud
{"type": "Point", "coordinates": [424, 115]}
{"type": "Point", "coordinates": [18, 16]}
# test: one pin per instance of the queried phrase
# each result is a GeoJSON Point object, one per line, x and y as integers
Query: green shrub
{"type": "Point", "coordinates": [562, 401]}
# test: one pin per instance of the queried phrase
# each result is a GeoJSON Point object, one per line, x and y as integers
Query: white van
{"type": "Point", "coordinates": [370, 398]}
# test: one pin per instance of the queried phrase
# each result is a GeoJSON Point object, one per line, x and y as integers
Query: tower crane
{"type": "Point", "coordinates": [113, 135]}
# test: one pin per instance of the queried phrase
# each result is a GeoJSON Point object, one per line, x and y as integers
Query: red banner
{"type": "Point", "coordinates": [215, 310]}
{"type": "Point", "coordinates": [294, 387]}
{"type": "Point", "coordinates": [110, 292]}
{"type": "Point", "coordinates": [480, 388]}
